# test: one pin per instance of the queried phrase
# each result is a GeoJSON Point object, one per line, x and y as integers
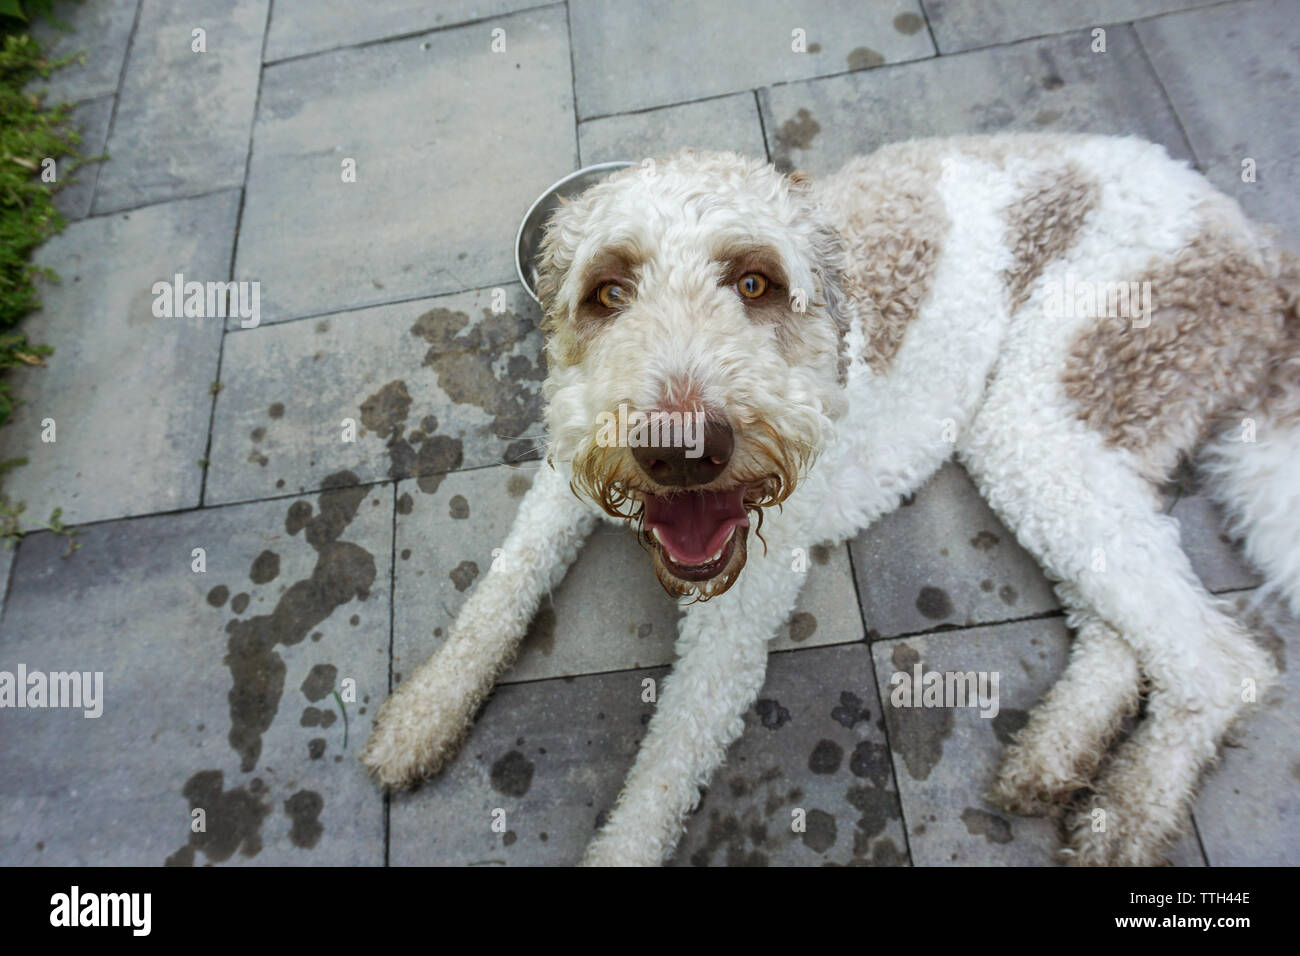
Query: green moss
{"type": "Point", "coordinates": [30, 133]}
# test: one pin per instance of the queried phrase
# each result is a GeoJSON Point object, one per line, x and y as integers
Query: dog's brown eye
{"type": "Point", "coordinates": [611, 295]}
{"type": "Point", "coordinates": [752, 285]}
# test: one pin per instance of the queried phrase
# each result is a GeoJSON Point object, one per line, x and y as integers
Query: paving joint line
{"type": "Point", "coordinates": [880, 704]}
{"type": "Point", "coordinates": [573, 84]}
{"type": "Point", "coordinates": [234, 253]}
{"type": "Point", "coordinates": [762, 123]}
{"type": "Point", "coordinates": [1092, 26]}
{"type": "Point", "coordinates": [117, 98]}
{"type": "Point", "coordinates": [94, 178]}
{"type": "Point", "coordinates": [378, 305]}
{"type": "Point", "coordinates": [161, 202]}
{"type": "Point", "coordinates": [408, 35]}
{"type": "Point", "coordinates": [1178, 120]}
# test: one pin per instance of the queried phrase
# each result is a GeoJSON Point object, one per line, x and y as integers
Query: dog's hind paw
{"type": "Point", "coordinates": [1099, 834]}
{"type": "Point", "coordinates": [1033, 784]}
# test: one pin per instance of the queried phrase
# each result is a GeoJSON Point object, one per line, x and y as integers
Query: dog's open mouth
{"type": "Point", "coordinates": [697, 533]}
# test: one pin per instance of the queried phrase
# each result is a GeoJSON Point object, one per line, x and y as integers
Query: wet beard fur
{"type": "Point", "coordinates": [609, 477]}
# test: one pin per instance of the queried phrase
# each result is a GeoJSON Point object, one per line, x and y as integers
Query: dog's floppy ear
{"type": "Point", "coordinates": [554, 257]}
{"type": "Point", "coordinates": [828, 253]}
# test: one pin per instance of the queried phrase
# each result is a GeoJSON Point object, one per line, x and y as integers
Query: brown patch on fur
{"type": "Point", "coordinates": [1043, 224]}
{"type": "Point", "coordinates": [1216, 331]}
{"type": "Point", "coordinates": [891, 235]}
{"type": "Point", "coordinates": [1281, 398]}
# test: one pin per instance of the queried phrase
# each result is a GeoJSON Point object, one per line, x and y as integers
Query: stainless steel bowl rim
{"type": "Point", "coordinates": [546, 194]}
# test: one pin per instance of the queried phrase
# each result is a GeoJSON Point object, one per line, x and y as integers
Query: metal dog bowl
{"type": "Point", "coordinates": [529, 239]}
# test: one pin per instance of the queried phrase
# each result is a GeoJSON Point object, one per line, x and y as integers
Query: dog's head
{"type": "Point", "coordinates": [695, 352]}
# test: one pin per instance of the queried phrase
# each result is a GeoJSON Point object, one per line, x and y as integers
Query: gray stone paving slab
{"type": "Point", "coordinates": [102, 30]}
{"type": "Point", "coordinates": [183, 117]}
{"type": "Point", "coordinates": [7, 551]}
{"type": "Point", "coordinates": [815, 743]}
{"type": "Point", "coordinates": [543, 762]}
{"type": "Point", "coordinates": [301, 28]}
{"type": "Point", "coordinates": [129, 393]}
{"type": "Point", "coordinates": [725, 123]}
{"type": "Point", "coordinates": [74, 198]}
{"type": "Point", "coordinates": [1248, 813]}
{"type": "Point", "coordinates": [633, 56]}
{"type": "Point", "coordinates": [287, 389]}
{"type": "Point", "coordinates": [480, 136]}
{"type": "Point", "coordinates": [1233, 74]}
{"type": "Point", "coordinates": [609, 613]}
{"type": "Point", "coordinates": [1217, 561]}
{"type": "Point", "coordinates": [553, 756]}
{"type": "Point", "coordinates": [216, 687]}
{"type": "Point", "coordinates": [963, 24]}
{"type": "Point", "coordinates": [945, 559]}
{"type": "Point", "coordinates": [1051, 84]}
{"type": "Point", "coordinates": [944, 758]}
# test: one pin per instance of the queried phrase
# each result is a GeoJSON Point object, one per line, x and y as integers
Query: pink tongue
{"type": "Point", "coordinates": [693, 525]}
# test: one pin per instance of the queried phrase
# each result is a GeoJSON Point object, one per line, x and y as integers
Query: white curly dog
{"type": "Point", "coordinates": [1067, 315]}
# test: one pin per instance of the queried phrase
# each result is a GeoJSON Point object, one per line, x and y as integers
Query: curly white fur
{"type": "Point", "coordinates": [926, 268]}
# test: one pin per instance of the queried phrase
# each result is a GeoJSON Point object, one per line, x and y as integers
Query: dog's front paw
{"type": "Point", "coordinates": [614, 849]}
{"type": "Point", "coordinates": [410, 740]}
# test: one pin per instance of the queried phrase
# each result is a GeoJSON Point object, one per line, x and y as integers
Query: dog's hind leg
{"type": "Point", "coordinates": [722, 662]}
{"type": "Point", "coordinates": [1059, 750]}
{"type": "Point", "coordinates": [1093, 521]}
{"type": "Point", "coordinates": [420, 727]}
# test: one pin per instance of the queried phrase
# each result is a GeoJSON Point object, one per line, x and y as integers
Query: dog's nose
{"type": "Point", "coordinates": [682, 467]}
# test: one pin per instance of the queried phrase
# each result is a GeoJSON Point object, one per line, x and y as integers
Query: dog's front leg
{"type": "Point", "coordinates": [722, 652]}
{"type": "Point", "coordinates": [421, 725]}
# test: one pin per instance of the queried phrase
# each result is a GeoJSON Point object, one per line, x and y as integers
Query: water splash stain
{"type": "Point", "coordinates": [771, 714]}
{"type": "Point", "coordinates": [1008, 721]}
{"type": "Point", "coordinates": [343, 571]}
{"type": "Point", "coordinates": [863, 58]}
{"type": "Point", "coordinates": [917, 733]}
{"type": "Point", "coordinates": [826, 757]}
{"type": "Point", "coordinates": [512, 775]}
{"type": "Point", "coordinates": [303, 809]}
{"type": "Point", "coordinates": [870, 760]}
{"type": "Point", "coordinates": [798, 133]}
{"type": "Point", "coordinates": [934, 603]}
{"type": "Point", "coordinates": [982, 823]}
{"type": "Point", "coordinates": [850, 710]}
{"type": "Point", "coordinates": [463, 574]}
{"type": "Point", "coordinates": [233, 819]}
{"type": "Point", "coordinates": [877, 807]}
{"type": "Point", "coordinates": [319, 682]}
{"type": "Point", "coordinates": [474, 367]}
{"type": "Point", "coordinates": [802, 626]}
{"type": "Point", "coordinates": [820, 831]}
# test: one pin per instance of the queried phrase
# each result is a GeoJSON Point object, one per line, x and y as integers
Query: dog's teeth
{"type": "Point", "coordinates": [718, 554]}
